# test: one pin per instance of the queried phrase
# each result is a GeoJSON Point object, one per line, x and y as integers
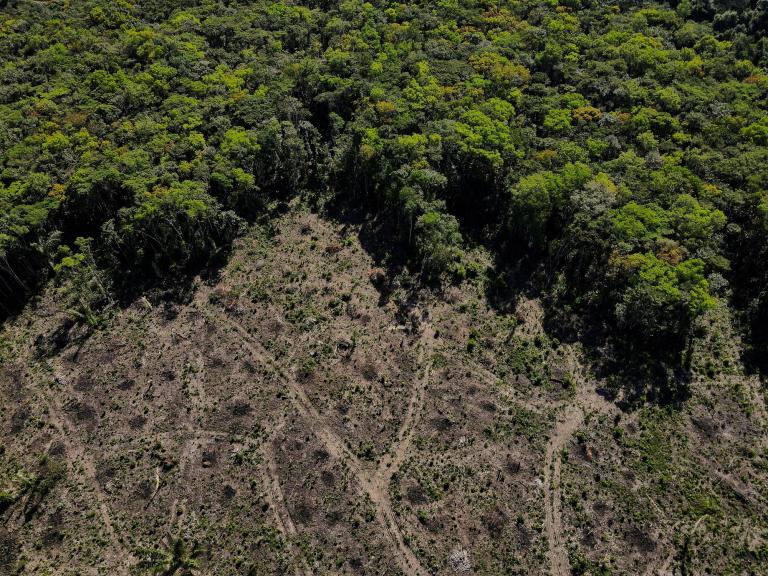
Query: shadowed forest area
{"type": "Point", "coordinates": [611, 155]}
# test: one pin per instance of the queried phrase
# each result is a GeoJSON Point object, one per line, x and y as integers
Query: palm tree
{"type": "Point", "coordinates": [175, 557]}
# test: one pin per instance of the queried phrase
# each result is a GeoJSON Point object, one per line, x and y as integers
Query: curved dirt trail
{"type": "Point", "coordinates": [337, 448]}
{"type": "Point", "coordinates": [276, 500]}
{"type": "Point", "coordinates": [76, 452]}
{"type": "Point", "coordinates": [394, 458]}
{"type": "Point", "coordinates": [586, 402]}
{"type": "Point", "coordinates": [191, 445]}
{"type": "Point", "coordinates": [273, 491]}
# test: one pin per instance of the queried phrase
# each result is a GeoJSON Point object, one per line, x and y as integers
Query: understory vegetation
{"type": "Point", "coordinates": [612, 156]}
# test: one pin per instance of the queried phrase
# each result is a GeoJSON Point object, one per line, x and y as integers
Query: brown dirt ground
{"type": "Point", "coordinates": [293, 419]}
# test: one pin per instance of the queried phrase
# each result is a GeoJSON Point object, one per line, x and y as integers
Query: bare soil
{"type": "Point", "coordinates": [295, 417]}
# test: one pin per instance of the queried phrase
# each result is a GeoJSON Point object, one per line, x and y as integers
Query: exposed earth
{"type": "Point", "coordinates": [305, 412]}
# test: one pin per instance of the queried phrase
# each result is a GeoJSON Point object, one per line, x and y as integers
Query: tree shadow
{"type": "Point", "coordinates": [379, 238]}
{"type": "Point", "coordinates": [166, 292]}
{"type": "Point", "coordinates": [21, 280]}
{"type": "Point", "coordinates": [636, 377]}
{"type": "Point", "coordinates": [755, 352]}
{"type": "Point", "coordinates": [633, 373]}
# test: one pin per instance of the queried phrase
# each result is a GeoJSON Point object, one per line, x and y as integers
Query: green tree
{"type": "Point", "coordinates": [85, 289]}
{"type": "Point", "coordinates": [174, 557]}
{"type": "Point", "coordinates": [438, 243]}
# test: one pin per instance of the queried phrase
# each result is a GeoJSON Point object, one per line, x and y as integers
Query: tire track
{"type": "Point", "coordinates": [336, 447]}
{"type": "Point", "coordinates": [586, 402]}
{"type": "Point", "coordinates": [276, 500]}
{"type": "Point", "coordinates": [273, 491]}
{"type": "Point", "coordinates": [77, 452]}
{"type": "Point", "coordinates": [394, 458]}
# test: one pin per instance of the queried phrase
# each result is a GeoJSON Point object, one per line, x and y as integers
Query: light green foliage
{"type": "Point", "coordinates": [558, 121]}
{"type": "Point", "coordinates": [636, 223]}
{"type": "Point", "coordinates": [188, 198]}
{"type": "Point", "coordinates": [662, 296]}
{"type": "Point", "coordinates": [669, 99]}
{"type": "Point", "coordinates": [153, 128]}
{"type": "Point", "coordinates": [693, 223]}
{"type": "Point", "coordinates": [483, 137]}
{"type": "Point", "coordinates": [757, 132]}
{"type": "Point", "coordinates": [642, 52]}
{"type": "Point", "coordinates": [533, 200]}
{"type": "Point", "coordinates": [537, 198]}
{"type": "Point", "coordinates": [240, 147]}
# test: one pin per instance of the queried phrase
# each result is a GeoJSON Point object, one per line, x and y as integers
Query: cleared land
{"type": "Point", "coordinates": [303, 414]}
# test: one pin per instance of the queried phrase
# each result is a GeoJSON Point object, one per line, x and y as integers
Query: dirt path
{"type": "Point", "coordinates": [188, 449]}
{"type": "Point", "coordinates": [76, 452]}
{"type": "Point", "coordinates": [558, 556]}
{"type": "Point", "coordinates": [378, 494]}
{"type": "Point", "coordinates": [189, 444]}
{"type": "Point", "coordinates": [276, 500]}
{"type": "Point", "coordinates": [273, 491]}
{"type": "Point", "coordinates": [586, 402]}
{"type": "Point", "coordinates": [394, 458]}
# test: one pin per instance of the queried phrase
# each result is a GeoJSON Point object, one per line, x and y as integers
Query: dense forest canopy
{"type": "Point", "coordinates": [614, 153]}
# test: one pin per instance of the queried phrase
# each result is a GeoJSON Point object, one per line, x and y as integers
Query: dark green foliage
{"type": "Point", "coordinates": [85, 289]}
{"type": "Point", "coordinates": [750, 248]}
{"type": "Point", "coordinates": [618, 153]}
{"type": "Point", "coordinates": [438, 242]}
{"type": "Point", "coordinates": [170, 230]}
{"type": "Point", "coordinates": [174, 557]}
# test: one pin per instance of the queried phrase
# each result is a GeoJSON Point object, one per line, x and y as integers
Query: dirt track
{"type": "Point", "coordinates": [76, 452]}
{"type": "Point", "coordinates": [586, 402]}
{"type": "Point", "coordinates": [374, 483]}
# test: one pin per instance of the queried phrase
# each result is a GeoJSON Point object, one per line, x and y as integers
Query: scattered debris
{"type": "Point", "coordinates": [459, 561]}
